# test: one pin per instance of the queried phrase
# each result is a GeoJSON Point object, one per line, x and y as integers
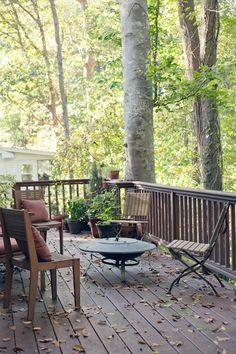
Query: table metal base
{"type": "Point", "coordinates": [121, 264]}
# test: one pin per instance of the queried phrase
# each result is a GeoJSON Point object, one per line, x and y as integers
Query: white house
{"type": "Point", "coordinates": [25, 165]}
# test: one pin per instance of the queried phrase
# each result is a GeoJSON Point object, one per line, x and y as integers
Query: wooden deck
{"type": "Point", "coordinates": [133, 317]}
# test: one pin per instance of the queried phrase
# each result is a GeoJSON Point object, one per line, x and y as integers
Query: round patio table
{"type": "Point", "coordinates": [120, 252]}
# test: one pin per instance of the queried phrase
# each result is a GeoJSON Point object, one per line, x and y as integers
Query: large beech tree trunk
{"type": "Point", "coordinates": [138, 102]}
{"type": "Point", "coordinates": [202, 51]}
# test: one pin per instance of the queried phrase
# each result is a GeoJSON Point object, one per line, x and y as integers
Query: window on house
{"type": "Point", "coordinates": [43, 170]}
{"type": "Point", "coordinates": [26, 172]}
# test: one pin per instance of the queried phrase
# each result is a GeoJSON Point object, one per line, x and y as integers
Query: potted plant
{"type": "Point", "coordinates": [77, 209]}
{"type": "Point", "coordinates": [102, 208]}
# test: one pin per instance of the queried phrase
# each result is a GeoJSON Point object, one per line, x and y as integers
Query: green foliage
{"type": "Point", "coordinates": [95, 105]}
{"type": "Point", "coordinates": [6, 184]}
{"type": "Point", "coordinates": [95, 179]}
{"type": "Point", "coordinates": [78, 209]}
{"type": "Point", "coordinates": [103, 206]}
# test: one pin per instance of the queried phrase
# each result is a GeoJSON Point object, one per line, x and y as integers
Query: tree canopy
{"type": "Point", "coordinates": [32, 113]}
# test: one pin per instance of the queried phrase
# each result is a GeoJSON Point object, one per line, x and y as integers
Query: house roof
{"type": "Point", "coordinates": [11, 151]}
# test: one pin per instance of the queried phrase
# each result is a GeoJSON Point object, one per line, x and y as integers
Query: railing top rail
{"type": "Point", "coordinates": [191, 192]}
{"type": "Point", "coordinates": [50, 182]}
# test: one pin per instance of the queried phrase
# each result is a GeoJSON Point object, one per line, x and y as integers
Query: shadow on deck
{"type": "Point", "coordinates": [119, 318]}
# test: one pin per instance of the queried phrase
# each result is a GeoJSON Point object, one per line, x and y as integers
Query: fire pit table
{"type": "Point", "coordinates": [119, 252]}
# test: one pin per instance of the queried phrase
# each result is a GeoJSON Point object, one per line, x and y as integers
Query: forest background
{"type": "Point", "coordinates": [91, 127]}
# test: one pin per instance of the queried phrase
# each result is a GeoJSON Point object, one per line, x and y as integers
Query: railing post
{"type": "Point", "coordinates": [174, 232]}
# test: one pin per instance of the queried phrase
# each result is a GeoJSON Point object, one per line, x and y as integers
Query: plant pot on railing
{"type": "Point", "coordinates": [114, 174]}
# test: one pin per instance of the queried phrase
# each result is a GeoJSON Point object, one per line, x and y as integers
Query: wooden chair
{"type": "Point", "coordinates": [198, 253]}
{"type": "Point", "coordinates": [134, 220]}
{"type": "Point", "coordinates": [38, 194]}
{"type": "Point", "coordinates": [17, 224]}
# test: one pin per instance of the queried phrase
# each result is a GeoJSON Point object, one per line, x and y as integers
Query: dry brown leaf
{"type": "Point", "coordinates": [210, 320]}
{"type": "Point", "coordinates": [120, 330]}
{"type": "Point", "coordinates": [222, 339]}
{"type": "Point", "coordinates": [13, 328]}
{"type": "Point", "coordinates": [102, 322]}
{"type": "Point", "coordinates": [3, 349]}
{"type": "Point", "coordinates": [17, 349]}
{"type": "Point", "coordinates": [78, 348]}
{"type": "Point", "coordinates": [85, 333]}
{"type": "Point", "coordinates": [6, 339]}
{"type": "Point", "coordinates": [45, 340]}
{"type": "Point", "coordinates": [208, 306]}
{"type": "Point", "coordinates": [37, 328]}
{"type": "Point", "coordinates": [142, 342]}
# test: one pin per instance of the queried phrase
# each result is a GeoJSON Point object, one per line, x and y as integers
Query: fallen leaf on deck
{"type": "Point", "coordinates": [196, 316]}
{"type": "Point", "coordinates": [176, 344]}
{"type": "Point", "coordinates": [102, 322]}
{"type": "Point", "coordinates": [210, 320]}
{"type": "Point", "coordinates": [79, 348]}
{"type": "Point", "coordinates": [3, 349]}
{"type": "Point", "coordinates": [120, 330]}
{"type": "Point", "coordinates": [17, 349]}
{"type": "Point", "coordinates": [26, 322]}
{"type": "Point", "coordinates": [37, 328]}
{"type": "Point", "coordinates": [142, 342]}
{"type": "Point", "coordinates": [222, 339]}
{"type": "Point", "coordinates": [6, 339]}
{"type": "Point", "coordinates": [208, 306]}
{"type": "Point", "coordinates": [13, 328]}
{"type": "Point", "coordinates": [45, 340]}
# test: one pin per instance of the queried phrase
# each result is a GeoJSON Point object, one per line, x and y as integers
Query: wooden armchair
{"type": "Point", "coordinates": [22, 196]}
{"type": "Point", "coordinates": [17, 224]}
{"type": "Point", "coordinates": [198, 253]}
{"type": "Point", "coordinates": [134, 220]}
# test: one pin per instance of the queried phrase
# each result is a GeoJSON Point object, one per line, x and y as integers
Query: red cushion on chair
{"type": "Point", "coordinates": [41, 247]}
{"type": "Point", "coordinates": [37, 208]}
{"type": "Point", "coordinates": [14, 245]}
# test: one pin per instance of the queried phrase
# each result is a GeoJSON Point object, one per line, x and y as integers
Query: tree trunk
{"type": "Point", "coordinates": [138, 102]}
{"type": "Point", "coordinates": [51, 106]}
{"type": "Point", "coordinates": [203, 52]}
{"type": "Point", "coordinates": [60, 71]}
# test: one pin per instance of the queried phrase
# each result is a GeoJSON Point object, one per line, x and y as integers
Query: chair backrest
{"type": "Point", "coordinates": [220, 228]}
{"type": "Point", "coordinates": [17, 224]}
{"type": "Point", "coordinates": [137, 206]}
{"type": "Point", "coordinates": [34, 194]}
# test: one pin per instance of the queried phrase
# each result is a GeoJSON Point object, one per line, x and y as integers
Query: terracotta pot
{"type": "Point", "coordinates": [114, 174]}
{"type": "Point", "coordinates": [93, 227]}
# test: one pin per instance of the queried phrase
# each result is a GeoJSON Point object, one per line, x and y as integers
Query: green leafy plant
{"type": "Point", "coordinates": [7, 182]}
{"type": "Point", "coordinates": [78, 209]}
{"type": "Point", "coordinates": [103, 206]}
{"type": "Point", "coordinates": [95, 180]}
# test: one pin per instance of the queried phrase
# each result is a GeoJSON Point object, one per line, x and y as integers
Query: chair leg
{"type": "Point", "coordinates": [53, 274]}
{"type": "Point", "coordinates": [42, 281]}
{"type": "Point", "coordinates": [76, 278]}
{"type": "Point", "coordinates": [32, 294]}
{"type": "Point", "coordinates": [8, 285]}
{"type": "Point", "coordinates": [61, 238]}
{"type": "Point", "coordinates": [190, 269]}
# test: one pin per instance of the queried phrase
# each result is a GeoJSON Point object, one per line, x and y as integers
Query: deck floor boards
{"type": "Point", "coordinates": [120, 318]}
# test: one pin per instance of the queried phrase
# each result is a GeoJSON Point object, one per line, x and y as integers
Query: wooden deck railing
{"type": "Point", "coordinates": [57, 193]}
{"type": "Point", "coordinates": [190, 214]}
{"type": "Point", "coordinates": [175, 213]}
